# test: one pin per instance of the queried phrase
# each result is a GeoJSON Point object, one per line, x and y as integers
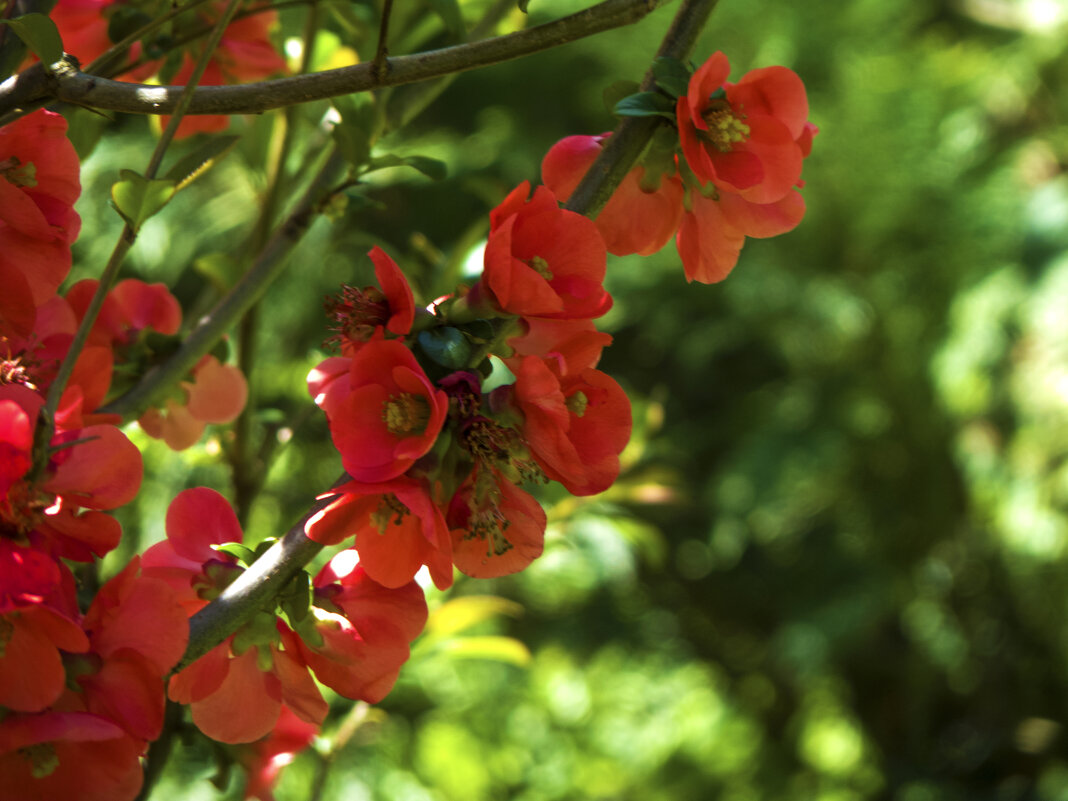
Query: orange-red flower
{"type": "Point", "coordinates": [359, 314]}
{"type": "Point", "coordinates": [576, 424]}
{"type": "Point", "coordinates": [634, 220]}
{"type": "Point", "coordinates": [544, 261]}
{"type": "Point", "coordinates": [743, 137]}
{"type": "Point", "coordinates": [397, 527]}
{"type": "Point", "coordinates": [39, 182]}
{"type": "Point", "coordinates": [365, 641]}
{"type": "Point", "coordinates": [383, 411]}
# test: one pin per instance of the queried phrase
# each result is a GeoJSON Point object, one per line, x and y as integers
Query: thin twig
{"type": "Point", "coordinates": [70, 85]}
{"type": "Point", "coordinates": [623, 148]}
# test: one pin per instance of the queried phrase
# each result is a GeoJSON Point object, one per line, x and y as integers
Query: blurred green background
{"type": "Point", "coordinates": [835, 565]}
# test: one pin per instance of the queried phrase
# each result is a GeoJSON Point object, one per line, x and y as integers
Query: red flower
{"type": "Point", "coordinates": [496, 527]}
{"type": "Point", "coordinates": [365, 642]}
{"type": "Point", "coordinates": [743, 137]}
{"type": "Point", "coordinates": [359, 314]}
{"type": "Point", "coordinates": [576, 342]}
{"type": "Point", "coordinates": [634, 220]}
{"type": "Point", "coordinates": [68, 754]}
{"type": "Point", "coordinates": [236, 693]}
{"type": "Point", "coordinates": [264, 759]}
{"type": "Point", "coordinates": [383, 411]}
{"type": "Point", "coordinates": [39, 182]}
{"type": "Point", "coordinates": [397, 528]}
{"type": "Point", "coordinates": [129, 308]}
{"type": "Point", "coordinates": [544, 261]}
{"type": "Point", "coordinates": [244, 54]}
{"type": "Point", "coordinates": [138, 631]}
{"type": "Point", "coordinates": [217, 394]}
{"type": "Point", "coordinates": [576, 424]}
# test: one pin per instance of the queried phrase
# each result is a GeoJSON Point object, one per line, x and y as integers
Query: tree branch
{"type": "Point", "coordinates": [72, 86]}
{"type": "Point", "coordinates": [623, 148]}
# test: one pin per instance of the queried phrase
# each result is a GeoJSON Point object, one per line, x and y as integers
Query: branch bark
{"type": "Point", "coordinates": [623, 148]}
{"type": "Point", "coordinates": [73, 86]}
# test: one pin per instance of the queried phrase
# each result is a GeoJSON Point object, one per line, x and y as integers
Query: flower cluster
{"type": "Point", "coordinates": [742, 147]}
{"type": "Point", "coordinates": [81, 693]}
{"type": "Point", "coordinates": [437, 464]}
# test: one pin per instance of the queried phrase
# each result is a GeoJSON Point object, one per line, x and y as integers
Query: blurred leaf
{"type": "Point", "coordinates": [497, 649]}
{"type": "Point", "coordinates": [39, 34]}
{"type": "Point", "coordinates": [616, 91]}
{"type": "Point", "coordinates": [461, 614]}
{"type": "Point", "coordinates": [124, 21]}
{"type": "Point", "coordinates": [354, 133]}
{"type": "Point", "coordinates": [188, 169]}
{"type": "Point", "coordinates": [671, 75]}
{"type": "Point", "coordinates": [137, 198]}
{"type": "Point", "coordinates": [449, 11]}
{"type": "Point", "coordinates": [447, 346]}
{"type": "Point", "coordinates": [432, 168]}
{"type": "Point", "coordinates": [645, 104]}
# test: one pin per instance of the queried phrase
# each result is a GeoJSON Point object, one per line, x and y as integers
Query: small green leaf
{"type": "Point", "coordinates": [498, 649]}
{"type": "Point", "coordinates": [236, 550]}
{"type": "Point", "coordinates": [137, 198]}
{"type": "Point", "coordinates": [615, 92]}
{"type": "Point", "coordinates": [671, 75]}
{"type": "Point", "coordinates": [449, 11]}
{"type": "Point", "coordinates": [296, 598]}
{"type": "Point", "coordinates": [645, 104]}
{"type": "Point", "coordinates": [188, 169]}
{"type": "Point", "coordinates": [39, 34]}
{"type": "Point", "coordinates": [432, 168]}
{"type": "Point", "coordinates": [446, 346]}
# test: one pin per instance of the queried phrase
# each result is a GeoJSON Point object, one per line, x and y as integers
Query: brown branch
{"type": "Point", "coordinates": [623, 148]}
{"type": "Point", "coordinates": [72, 86]}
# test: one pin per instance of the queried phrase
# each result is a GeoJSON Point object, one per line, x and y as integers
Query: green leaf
{"type": "Point", "coordinates": [446, 346]}
{"type": "Point", "coordinates": [671, 75]}
{"type": "Point", "coordinates": [615, 92]}
{"type": "Point", "coordinates": [137, 198]}
{"type": "Point", "coordinates": [192, 166]}
{"type": "Point", "coordinates": [498, 649]}
{"type": "Point", "coordinates": [296, 598]}
{"type": "Point", "coordinates": [462, 613]}
{"type": "Point", "coordinates": [449, 11]}
{"type": "Point", "coordinates": [645, 104]}
{"type": "Point", "coordinates": [124, 21]}
{"type": "Point", "coordinates": [522, 4]}
{"type": "Point", "coordinates": [236, 550]}
{"type": "Point", "coordinates": [39, 34]}
{"type": "Point", "coordinates": [353, 134]}
{"type": "Point", "coordinates": [432, 168]}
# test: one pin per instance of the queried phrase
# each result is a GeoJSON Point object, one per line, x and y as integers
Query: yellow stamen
{"type": "Point", "coordinates": [725, 126]}
{"type": "Point", "coordinates": [406, 414]}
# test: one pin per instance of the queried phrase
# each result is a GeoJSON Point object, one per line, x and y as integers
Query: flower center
{"type": "Point", "coordinates": [541, 267]}
{"type": "Point", "coordinates": [725, 126]}
{"type": "Point", "coordinates": [355, 314]}
{"type": "Point", "coordinates": [42, 758]}
{"type": "Point", "coordinates": [493, 445]}
{"type": "Point", "coordinates": [577, 403]}
{"type": "Point", "coordinates": [406, 414]}
{"type": "Point", "coordinates": [17, 173]}
{"type": "Point", "coordinates": [389, 507]}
